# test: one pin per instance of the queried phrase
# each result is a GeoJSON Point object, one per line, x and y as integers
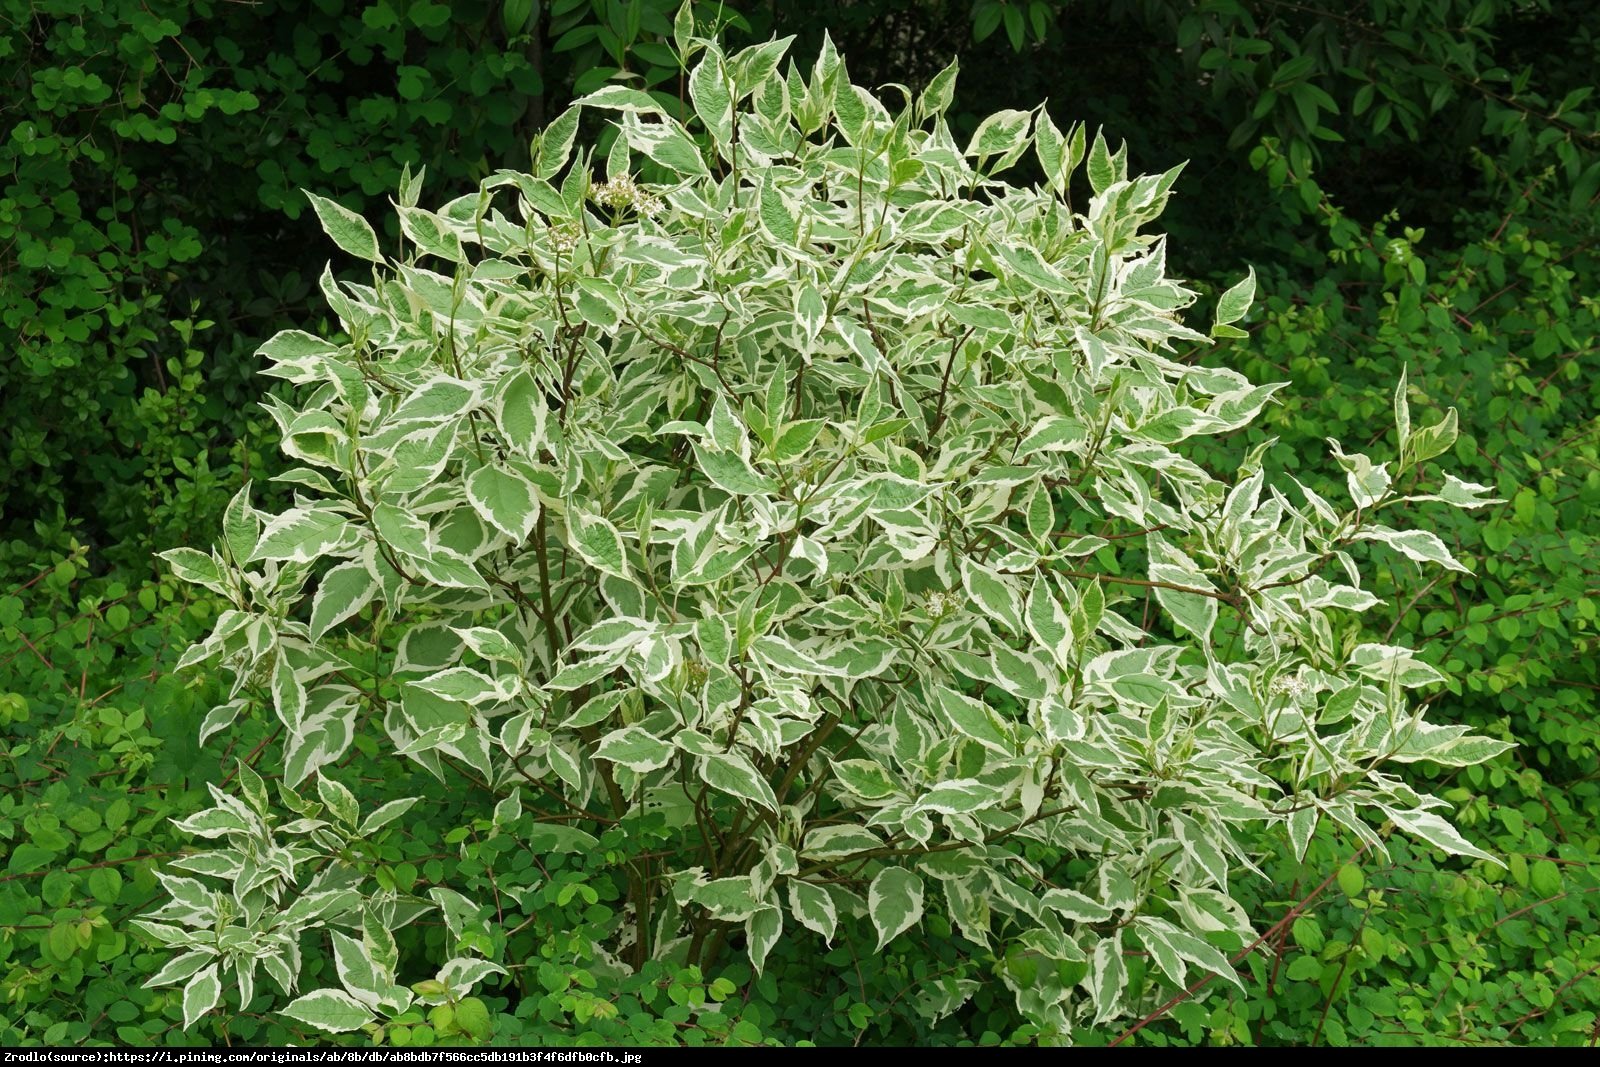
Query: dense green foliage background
{"type": "Point", "coordinates": [1413, 180]}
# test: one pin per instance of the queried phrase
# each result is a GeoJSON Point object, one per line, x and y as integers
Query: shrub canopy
{"type": "Point", "coordinates": [811, 503]}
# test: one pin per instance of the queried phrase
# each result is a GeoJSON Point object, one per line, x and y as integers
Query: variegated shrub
{"type": "Point", "coordinates": [804, 486]}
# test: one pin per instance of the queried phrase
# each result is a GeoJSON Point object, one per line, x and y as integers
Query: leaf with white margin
{"type": "Point", "coordinates": [1437, 832]}
{"type": "Point", "coordinates": [505, 499]}
{"type": "Point", "coordinates": [1233, 304]}
{"type": "Point", "coordinates": [180, 967]}
{"type": "Point", "coordinates": [813, 907]}
{"type": "Point", "coordinates": [330, 1009]}
{"type": "Point", "coordinates": [732, 773]}
{"type": "Point", "coordinates": [761, 933]}
{"type": "Point", "coordinates": [894, 903]}
{"type": "Point", "coordinates": [464, 972]}
{"type": "Point", "coordinates": [635, 748]}
{"type": "Point", "coordinates": [356, 970]}
{"type": "Point", "coordinates": [203, 993]}
{"type": "Point", "coordinates": [342, 592]}
{"type": "Point", "coordinates": [1423, 546]}
{"type": "Point", "coordinates": [386, 814]}
{"type": "Point", "coordinates": [598, 542]}
{"type": "Point", "coordinates": [351, 232]}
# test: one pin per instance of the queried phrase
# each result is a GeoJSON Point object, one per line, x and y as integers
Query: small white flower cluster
{"type": "Point", "coordinates": [942, 603]}
{"type": "Point", "coordinates": [563, 239]}
{"type": "Point", "coordinates": [623, 192]}
{"type": "Point", "coordinates": [1290, 685]}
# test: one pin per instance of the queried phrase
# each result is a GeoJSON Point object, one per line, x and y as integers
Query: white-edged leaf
{"type": "Point", "coordinates": [894, 903]}
{"type": "Point", "coordinates": [973, 719]}
{"type": "Point", "coordinates": [1107, 977]}
{"type": "Point", "coordinates": [464, 972]}
{"type": "Point", "coordinates": [505, 499]}
{"type": "Point", "coordinates": [1235, 303]}
{"type": "Point", "coordinates": [761, 933]}
{"type": "Point", "coordinates": [386, 814]}
{"type": "Point", "coordinates": [635, 748]}
{"type": "Point", "coordinates": [329, 1009]}
{"type": "Point", "coordinates": [178, 968]}
{"type": "Point", "coordinates": [349, 231]}
{"type": "Point", "coordinates": [1436, 831]}
{"type": "Point", "coordinates": [203, 993]}
{"type": "Point", "coordinates": [356, 969]}
{"type": "Point", "coordinates": [342, 592]}
{"type": "Point", "coordinates": [732, 773]}
{"type": "Point", "coordinates": [599, 543]}
{"type": "Point", "coordinates": [813, 907]}
{"type": "Point", "coordinates": [1423, 546]}
{"type": "Point", "coordinates": [340, 802]}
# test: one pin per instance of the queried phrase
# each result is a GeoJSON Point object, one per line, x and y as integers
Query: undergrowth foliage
{"type": "Point", "coordinates": [810, 504]}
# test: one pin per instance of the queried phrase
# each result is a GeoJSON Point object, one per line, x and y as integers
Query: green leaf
{"type": "Point", "coordinates": [349, 230]}
{"type": "Point", "coordinates": [1434, 830]}
{"type": "Point", "coordinates": [1545, 878]}
{"type": "Point", "coordinates": [1305, 969]}
{"type": "Point", "coordinates": [507, 500]}
{"type": "Point", "coordinates": [732, 773]}
{"type": "Point", "coordinates": [598, 542]}
{"type": "Point", "coordinates": [330, 1010]}
{"type": "Point", "coordinates": [26, 857]}
{"type": "Point", "coordinates": [972, 718]}
{"type": "Point", "coordinates": [472, 1016]}
{"type": "Point", "coordinates": [958, 796]}
{"type": "Point", "coordinates": [894, 903]}
{"type": "Point", "coordinates": [105, 885]}
{"type": "Point", "coordinates": [796, 439]}
{"type": "Point", "coordinates": [203, 993]}
{"type": "Point", "coordinates": [557, 837]}
{"type": "Point", "coordinates": [813, 907]}
{"type": "Point", "coordinates": [341, 593]}
{"type": "Point", "coordinates": [636, 749]}
{"type": "Point", "coordinates": [386, 814]}
{"type": "Point", "coordinates": [1000, 134]}
{"type": "Point", "coordinates": [1233, 304]}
